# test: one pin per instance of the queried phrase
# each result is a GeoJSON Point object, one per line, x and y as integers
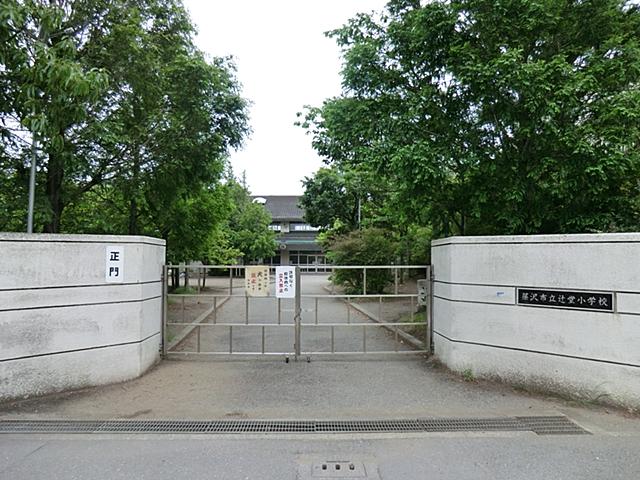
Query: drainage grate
{"type": "Point", "coordinates": [555, 425]}
{"type": "Point", "coordinates": [551, 425]}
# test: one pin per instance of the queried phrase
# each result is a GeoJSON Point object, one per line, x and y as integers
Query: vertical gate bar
{"type": "Point", "coordinates": [429, 311]}
{"type": "Point", "coordinates": [230, 338]}
{"type": "Point", "coordinates": [183, 319]}
{"type": "Point", "coordinates": [395, 280]}
{"type": "Point", "coordinates": [298, 312]}
{"type": "Point", "coordinates": [364, 339]}
{"type": "Point", "coordinates": [333, 349]}
{"type": "Point", "coordinates": [199, 278]}
{"type": "Point", "coordinates": [396, 338]}
{"type": "Point", "coordinates": [348, 310]}
{"type": "Point", "coordinates": [198, 340]}
{"type": "Point", "coordinates": [263, 339]}
{"type": "Point", "coordinates": [230, 281]}
{"type": "Point", "coordinates": [380, 308]}
{"type": "Point", "coordinates": [412, 307]}
{"type": "Point", "coordinates": [246, 310]}
{"type": "Point", "coordinates": [316, 310]}
{"type": "Point", "coordinates": [333, 285]}
{"type": "Point", "coordinates": [165, 300]}
{"type": "Point", "coordinates": [364, 281]}
{"type": "Point", "coordinates": [215, 309]}
{"type": "Point", "coordinates": [279, 312]}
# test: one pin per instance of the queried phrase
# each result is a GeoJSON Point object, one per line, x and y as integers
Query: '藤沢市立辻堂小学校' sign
{"type": "Point", "coordinates": [601, 301]}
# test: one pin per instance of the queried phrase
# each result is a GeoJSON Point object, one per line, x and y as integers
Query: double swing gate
{"type": "Point", "coordinates": [215, 310]}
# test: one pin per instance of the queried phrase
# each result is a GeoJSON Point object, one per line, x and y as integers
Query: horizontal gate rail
{"type": "Point", "coordinates": [331, 267]}
{"type": "Point", "coordinates": [328, 295]}
{"type": "Point", "coordinates": [289, 325]}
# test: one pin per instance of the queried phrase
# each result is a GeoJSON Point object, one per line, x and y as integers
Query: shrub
{"type": "Point", "coordinates": [370, 246]}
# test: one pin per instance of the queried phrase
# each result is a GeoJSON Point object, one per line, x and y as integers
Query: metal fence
{"type": "Point", "coordinates": [211, 314]}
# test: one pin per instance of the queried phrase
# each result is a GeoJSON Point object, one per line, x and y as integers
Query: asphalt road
{"type": "Point", "coordinates": [433, 457]}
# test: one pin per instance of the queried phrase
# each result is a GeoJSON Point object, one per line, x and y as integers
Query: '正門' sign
{"type": "Point", "coordinates": [114, 268]}
{"type": "Point", "coordinates": [601, 301]}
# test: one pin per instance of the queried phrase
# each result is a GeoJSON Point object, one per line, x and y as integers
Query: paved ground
{"type": "Point", "coordinates": [317, 390]}
{"type": "Point", "coordinates": [443, 457]}
{"type": "Point", "coordinates": [320, 389]}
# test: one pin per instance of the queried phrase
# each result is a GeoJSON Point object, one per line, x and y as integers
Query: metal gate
{"type": "Point", "coordinates": [212, 314]}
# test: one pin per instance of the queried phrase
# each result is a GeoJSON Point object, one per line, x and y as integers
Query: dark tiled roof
{"type": "Point", "coordinates": [283, 207]}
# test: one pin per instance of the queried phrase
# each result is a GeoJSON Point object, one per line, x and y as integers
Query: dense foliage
{"type": "Point", "coordinates": [133, 125]}
{"type": "Point", "coordinates": [248, 226]}
{"type": "Point", "coordinates": [369, 246]}
{"type": "Point", "coordinates": [490, 116]}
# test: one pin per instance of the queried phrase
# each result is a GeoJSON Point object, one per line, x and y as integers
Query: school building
{"type": "Point", "coordinates": [297, 244]}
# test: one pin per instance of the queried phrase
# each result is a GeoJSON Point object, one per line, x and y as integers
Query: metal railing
{"type": "Point", "coordinates": [208, 322]}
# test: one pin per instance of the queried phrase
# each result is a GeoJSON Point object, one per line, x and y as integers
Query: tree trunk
{"type": "Point", "coordinates": [133, 216]}
{"type": "Point", "coordinates": [133, 202]}
{"type": "Point", "coordinates": [55, 177]}
{"type": "Point", "coordinates": [175, 278]}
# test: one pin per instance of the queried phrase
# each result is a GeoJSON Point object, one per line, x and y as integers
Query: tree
{"type": "Point", "coordinates": [46, 89]}
{"type": "Point", "coordinates": [248, 225]}
{"type": "Point", "coordinates": [328, 197]}
{"type": "Point", "coordinates": [493, 117]}
{"type": "Point", "coordinates": [133, 113]}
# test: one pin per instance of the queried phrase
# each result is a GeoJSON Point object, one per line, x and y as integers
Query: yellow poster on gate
{"type": "Point", "coordinates": [256, 281]}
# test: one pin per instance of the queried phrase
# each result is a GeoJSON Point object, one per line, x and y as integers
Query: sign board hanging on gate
{"type": "Point", "coordinates": [256, 281]}
{"type": "Point", "coordinates": [286, 282]}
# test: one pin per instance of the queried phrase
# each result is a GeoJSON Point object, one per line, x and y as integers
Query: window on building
{"type": "Point", "coordinates": [275, 227]}
{"type": "Point", "coordinates": [303, 227]}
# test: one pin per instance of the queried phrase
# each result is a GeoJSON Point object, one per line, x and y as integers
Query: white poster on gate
{"type": "Point", "coordinates": [285, 281]}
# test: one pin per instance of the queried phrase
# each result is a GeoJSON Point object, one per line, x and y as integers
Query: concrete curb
{"type": "Point", "coordinates": [410, 339]}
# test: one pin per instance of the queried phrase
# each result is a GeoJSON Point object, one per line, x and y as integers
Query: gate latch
{"type": "Point", "coordinates": [422, 292]}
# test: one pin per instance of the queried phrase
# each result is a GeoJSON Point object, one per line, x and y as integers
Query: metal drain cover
{"type": "Point", "coordinates": [544, 425]}
{"type": "Point", "coordinates": [317, 469]}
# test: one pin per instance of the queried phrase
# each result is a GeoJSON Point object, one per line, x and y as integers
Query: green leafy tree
{"type": "Point", "coordinates": [248, 225]}
{"type": "Point", "coordinates": [134, 115]}
{"type": "Point", "coordinates": [47, 91]}
{"type": "Point", "coordinates": [493, 117]}
{"type": "Point", "coordinates": [329, 197]}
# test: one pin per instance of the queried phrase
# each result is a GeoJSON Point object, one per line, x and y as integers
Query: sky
{"type": "Point", "coordinates": [284, 62]}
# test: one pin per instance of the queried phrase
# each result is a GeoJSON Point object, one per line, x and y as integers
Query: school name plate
{"type": "Point", "coordinates": [601, 301]}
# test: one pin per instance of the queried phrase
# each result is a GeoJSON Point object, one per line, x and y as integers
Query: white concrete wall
{"type": "Point", "coordinates": [62, 326]}
{"type": "Point", "coordinates": [585, 354]}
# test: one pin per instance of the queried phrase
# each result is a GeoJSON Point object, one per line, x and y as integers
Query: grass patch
{"type": "Point", "coordinates": [418, 329]}
{"type": "Point", "coordinates": [184, 291]}
{"type": "Point", "coordinates": [467, 375]}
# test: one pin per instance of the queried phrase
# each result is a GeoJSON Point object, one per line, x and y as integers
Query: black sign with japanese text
{"type": "Point", "coordinates": [566, 299]}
